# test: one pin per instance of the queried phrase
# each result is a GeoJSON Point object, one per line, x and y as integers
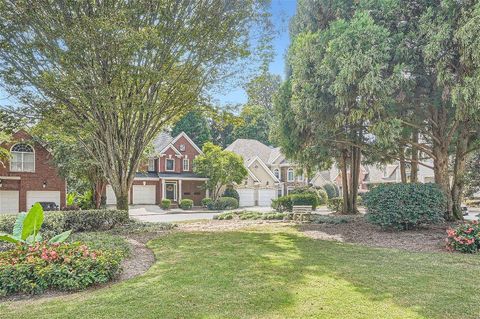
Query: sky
{"type": "Point", "coordinates": [282, 11]}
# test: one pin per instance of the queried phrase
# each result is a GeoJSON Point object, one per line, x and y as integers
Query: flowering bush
{"type": "Point", "coordinates": [63, 266]}
{"type": "Point", "coordinates": [465, 238]}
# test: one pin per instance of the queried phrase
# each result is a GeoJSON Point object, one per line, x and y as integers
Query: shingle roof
{"type": "Point", "coordinates": [161, 141]}
{"type": "Point", "coordinates": [248, 149]}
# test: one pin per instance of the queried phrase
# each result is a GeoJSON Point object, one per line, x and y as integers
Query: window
{"type": "Point", "coordinates": [151, 165]}
{"type": "Point", "coordinates": [169, 164]}
{"type": "Point", "coordinates": [276, 172]}
{"type": "Point", "coordinates": [279, 192]}
{"type": "Point", "coordinates": [300, 178]}
{"type": "Point", "coordinates": [23, 158]}
{"type": "Point", "coordinates": [290, 175]}
{"type": "Point", "coordinates": [186, 164]}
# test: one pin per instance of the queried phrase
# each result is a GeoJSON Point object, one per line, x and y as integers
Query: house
{"type": "Point", "coordinates": [270, 174]}
{"type": "Point", "coordinates": [168, 174]}
{"type": "Point", "coordinates": [29, 176]}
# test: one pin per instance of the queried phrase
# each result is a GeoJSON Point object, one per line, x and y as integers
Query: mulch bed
{"type": "Point", "coordinates": [358, 231]}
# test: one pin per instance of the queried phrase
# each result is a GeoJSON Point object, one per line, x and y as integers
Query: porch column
{"type": "Point", "coordinates": [163, 190]}
{"type": "Point", "coordinates": [179, 190]}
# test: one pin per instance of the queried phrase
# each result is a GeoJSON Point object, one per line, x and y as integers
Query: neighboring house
{"type": "Point", "coordinates": [270, 174]}
{"type": "Point", "coordinates": [29, 176]}
{"type": "Point", "coordinates": [168, 174]}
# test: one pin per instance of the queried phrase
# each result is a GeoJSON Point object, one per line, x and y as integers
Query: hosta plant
{"type": "Point", "coordinates": [27, 229]}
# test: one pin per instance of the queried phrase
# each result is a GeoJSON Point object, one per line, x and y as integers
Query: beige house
{"type": "Point", "coordinates": [270, 174]}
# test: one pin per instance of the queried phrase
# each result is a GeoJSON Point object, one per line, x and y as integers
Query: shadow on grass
{"type": "Point", "coordinates": [278, 273]}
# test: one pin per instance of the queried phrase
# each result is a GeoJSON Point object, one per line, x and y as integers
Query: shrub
{"type": "Point", "coordinates": [224, 216]}
{"type": "Point", "coordinates": [331, 190]}
{"type": "Point", "coordinates": [224, 203]}
{"type": "Point", "coordinates": [65, 266]}
{"type": "Point", "coordinates": [81, 220]}
{"type": "Point", "coordinates": [305, 199]}
{"type": "Point", "coordinates": [230, 192]}
{"type": "Point", "coordinates": [335, 204]}
{"type": "Point", "coordinates": [252, 216]}
{"type": "Point", "coordinates": [464, 238]}
{"type": "Point", "coordinates": [186, 203]}
{"type": "Point", "coordinates": [404, 206]}
{"type": "Point", "coordinates": [206, 201]}
{"type": "Point", "coordinates": [166, 203]}
{"type": "Point", "coordinates": [326, 219]}
{"type": "Point", "coordinates": [322, 196]}
{"type": "Point", "coordinates": [283, 204]}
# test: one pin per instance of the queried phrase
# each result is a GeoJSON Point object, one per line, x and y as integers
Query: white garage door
{"type": "Point", "coordinates": [247, 197]}
{"type": "Point", "coordinates": [265, 197]}
{"type": "Point", "coordinates": [9, 202]}
{"type": "Point", "coordinates": [42, 196]}
{"type": "Point", "coordinates": [111, 198]}
{"type": "Point", "coordinates": [144, 194]}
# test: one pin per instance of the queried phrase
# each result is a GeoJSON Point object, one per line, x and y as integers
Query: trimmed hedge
{"type": "Point", "coordinates": [165, 203]}
{"type": "Point", "coordinates": [405, 206]}
{"type": "Point", "coordinates": [331, 190]}
{"type": "Point", "coordinates": [223, 203]}
{"type": "Point", "coordinates": [335, 204]}
{"type": "Point", "coordinates": [34, 269]}
{"type": "Point", "coordinates": [186, 203]}
{"type": "Point", "coordinates": [286, 203]}
{"type": "Point", "coordinates": [206, 201]}
{"type": "Point", "coordinates": [230, 192]}
{"type": "Point", "coordinates": [56, 222]}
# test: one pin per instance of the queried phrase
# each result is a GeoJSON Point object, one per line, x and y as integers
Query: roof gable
{"type": "Point", "coordinates": [189, 140]}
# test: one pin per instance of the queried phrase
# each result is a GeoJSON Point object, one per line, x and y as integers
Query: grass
{"type": "Point", "coordinates": [276, 272]}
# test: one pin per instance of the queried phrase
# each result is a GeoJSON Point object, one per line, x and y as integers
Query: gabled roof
{"type": "Point", "coordinates": [249, 149]}
{"type": "Point", "coordinates": [162, 141]}
{"type": "Point", "coordinates": [257, 159]}
{"type": "Point", "coordinates": [183, 134]}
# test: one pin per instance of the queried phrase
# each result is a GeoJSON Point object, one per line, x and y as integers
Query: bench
{"type": "Point", "coordinates": [302, 213]}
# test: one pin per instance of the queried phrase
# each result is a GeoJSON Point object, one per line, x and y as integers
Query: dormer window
{"type": "Point", "coordinates": [23, 158]}
{"type": "Point", "coordinates": [169, 164]}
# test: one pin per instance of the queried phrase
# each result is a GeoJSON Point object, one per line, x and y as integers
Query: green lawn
{"type": "Point", "coordinates": [276, 272]}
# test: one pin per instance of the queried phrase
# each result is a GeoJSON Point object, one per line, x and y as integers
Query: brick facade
{"type": "Point", "coordinates": [44, 178]}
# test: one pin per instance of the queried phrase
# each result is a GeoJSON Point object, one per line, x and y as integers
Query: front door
{"type": "Point", "coordinates": [171, 191]}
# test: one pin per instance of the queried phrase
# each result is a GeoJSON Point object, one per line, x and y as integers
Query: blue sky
{"type": "Point", "coordinates": [282, 11]}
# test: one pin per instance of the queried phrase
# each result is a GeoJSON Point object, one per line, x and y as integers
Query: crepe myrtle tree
{"type": "Point", "coordinates": [123, 70]}
{"type": "Point", "coordinates": [221, 167]}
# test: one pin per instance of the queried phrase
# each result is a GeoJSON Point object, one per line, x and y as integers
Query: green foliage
{"type": "Point", "coordinates": [305, 199]}
{"type": "Point", "coordinates": [319, 193]}
{"type": "Point", "coordinates": [206, 201]}
{"type": "Point", "coordinates": [335, 204]}
{"type": "Point", "coordinates": [224, 216]}
{"type": "Point", "coordinates": [26, 229]}
{"type": "Point", "coordinates": [245, 215]}
{"type": "Point", "coordinates": [286, 203]}
{"type": "Point", "coordinates": [405, 206]}
{"type": "Point", "coordinates": [220, 167]}
{"type": "Point", "coordinates": [71, 199]}
{"type": "Point", "coordinates": [282, 204]}
{"type": "Point", "coordinates": [331, 189]}
{"type": "Point", "coordinates": [195, 125]}
{"type": "Point", "coordinates": [231, 192]}
{"type": "Point", "coordinates": [104, 241]}
{"type": "Point", "coordinates": [254, 124]}
{"type": "Point", "coordinates": [165, 203]}
{"type": "Point", "coordinates": [43, 266]}
{"type": "Point", "coordinates": [186, 203]}
{"type": "Point", "coordinates": [335, 220]}
{"type": "Point", "coordinates": [464, 238]}
{"type": "Point", "coordinates": [322, 196]}
{"type": "Point", "coordinates": [224, 203]}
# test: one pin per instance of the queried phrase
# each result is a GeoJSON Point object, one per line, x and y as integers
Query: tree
{"type": "Point", "coordinates": [261, 89]}
{"type": "Point", "coordinates": [472, 175]}
{"type": "Point", "coordinates": [254, 124]}
{"type": "Point", "coordinates": [123, 70]}
{"type": "Point", "coordinates": [220, 167]}
{"type": "Point", "coordinates": [195, 125]}
{"type": "Point", "coordinates": [223, 122]}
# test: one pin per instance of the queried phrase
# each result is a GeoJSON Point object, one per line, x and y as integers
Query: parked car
{"type": "Point", "coordinates": [49, 206]}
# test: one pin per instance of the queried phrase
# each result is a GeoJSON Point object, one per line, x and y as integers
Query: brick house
{"type": "Point", "coordinates": [29, 176]}
{"type": "Point", "coordinates": [167, 174]}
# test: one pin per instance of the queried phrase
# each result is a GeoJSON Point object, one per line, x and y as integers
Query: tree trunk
{"type": "Point", "coordinates": [345, 186]}
{"type": "Point", "coordinates": [355, 179]}
{"type": "Point", "coordinates": [414, 161]}
{"type": "Point", "coordinates": [403, 170]}
{"type": "Point", "coordinates": [442, 178]}
{"type": "Point", "coordinates": [459, 174]}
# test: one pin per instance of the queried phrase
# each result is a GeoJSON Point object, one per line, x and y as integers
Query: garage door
{"type": "Point", "coordinates": [265, 197]}
{"type": "Point", "coordinates": [9, 202]}
{"type": "Point", "coordinates": [42, 196]}
{"type": "Point", "coordinates": [247, 197]}
{"type": "Point", "coordinates": [111, 198]}
{"type": "Point", "coordinates": [144, 194]}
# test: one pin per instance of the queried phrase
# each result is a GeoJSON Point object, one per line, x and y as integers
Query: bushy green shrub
{"type": "Point", "coordinates": [282, 204]}
{"type": "Point", "coordinates": [322, 197]}
{"type": "Point", "coordinates": [224, 216]}
{"type": "Point", "coordinates": [186, 203]}
{"type": "Point", "coordinates": [251, 216]}
{"type": "Point", "coordinates": [305, 199]}
{"type": "Point", "coordinates": [206, 201]}
{"type": "Point", "coordinates": [464, 238]}
{"type": "Point", "coordinates": [223, 203]}
{"type": "Point", "coordinates": [65, 266]}
{"type": "Point", "coordinates": [335, 204]}
{"type": "Point", "coordinates": [331, 190]}
{"type": "Point", "coordinates": [81, 220]}
{"type": "Point", "coordinates": [166, 203]}
{"type": "Point", "coordinates": [404, 206]}
{"type": "Point", "coordinates": [231, 192]}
